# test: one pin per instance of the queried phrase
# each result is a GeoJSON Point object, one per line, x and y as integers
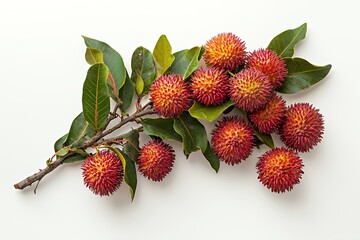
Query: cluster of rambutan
{"type": "Point", "coordinates": [249, 80]}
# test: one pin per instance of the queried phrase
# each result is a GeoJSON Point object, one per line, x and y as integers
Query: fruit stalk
{"type": "Point", "coordinates": [97, 139]}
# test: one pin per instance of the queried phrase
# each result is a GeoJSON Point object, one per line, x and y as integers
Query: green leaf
{"type": "Point", "coordinates": [212, 158]}
{"type": "Point", "coordinates": [302, 75]}
{"type": "Point", "coordinates": [129, 171]}
{"type": "Point", "coordinates": [210, 114]}
{"type": "Point", "coordinates": [186, 62]}
{"type": "Point", "coordinates": [95, 99]}
{"type": "Point", "coordinates": [75, 158]}
{"type": "Point", "coordinates": [59, 145]}
{"type": "Point", "coordinates": [126, 94]}
{"type": "Point", "coordinates": [264, 138]}
{"type": "Point", "coordinates": [142, 64]}
{"type": "Point", "coordinates": [284, 43]}
{"type": "Point", "coordinates": [162, 55]}
{"type": "Point", "coordinates": [77, 131]}
{"type": "Point", "coordinates": [160, 127]}
{"type": "Point", "coordinates": [112, 59]}
{"type": "Point", "coordinates": [139, 85]}
{"type": "Point", "coordinates": [93, 55]}
{"type": "Point", "coordinates": [193, 133]}
{"type": "Point", "coordinates": [131, 147]}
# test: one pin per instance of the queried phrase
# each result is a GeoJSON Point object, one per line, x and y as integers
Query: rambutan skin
{"type": "Point", "coordinates": [303, 127]}
{"type": "Point", "coordinates": [210, 86]}
{"type": "Point", "coordinates": [250, 89]}
{"type": "Point", "coordinates": [279, 169]}
{"type": "Point", "coordinates": [103, 173]}
{"type": "Point", "coordinates": [226, 51]}
{"type": "Point", "coordinates": [156, 160]}
{"type": "Point", "coordinates": [232, 140]}
{"type": "Point", "coordinates": [170, 95]}
{"type": "Point", "coordinates": [269, 118]}
{"type": "Point", "coordinates": [270, 64]}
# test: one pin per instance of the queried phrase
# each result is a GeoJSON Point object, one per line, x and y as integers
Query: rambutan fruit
{"type": "Point", "coordinates": [269, 118]}
{"type": "Point", "coordinates": [102, 172]}
{"type": "Point", "coordinates": [209, 86]}
{"type": "Point", "coordinates": [270, 64]}
{"type": "Point", "coordinates": [232, 140]}
{"type": "Point", "coordinates": [250, 89]}
{"type": "Point", "coordinates": [279, 169]}
{"type": "Point", "coordinates": [226, 51]}
{"type": "Point", "coordinates": [156, 160]}
{"type": "Point", "coordinates": [170, 95]}
{"type": "Point", "coordinates": [303, 127]}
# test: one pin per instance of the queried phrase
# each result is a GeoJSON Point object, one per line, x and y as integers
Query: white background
{"type": "Point", "coordinates": [42, 71]}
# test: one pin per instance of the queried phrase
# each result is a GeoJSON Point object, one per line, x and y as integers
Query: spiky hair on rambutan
{"type": "Point", "coordinates": [279, 169]}
{"type": "Point", "coordinates": [226, 51]}
{"type": "Point", "coordinates": [102, 172]}
{"type": "Point", "coordinates": [209, 86]}
{"type": "Point", "coordinates": [232, 140]}
{"type": "Point", "coordinates": [156, 160]}
{"type": "Point", "coordinates": [270, 64]}
{"type": "Point", "coordinates": [250, 89]}
{"type": "Point", "coordinates": [170, 95]}
{"type": "Point", "coordinates": [269, 118]}
{"type": "Point", "coordinates": [303, 127]}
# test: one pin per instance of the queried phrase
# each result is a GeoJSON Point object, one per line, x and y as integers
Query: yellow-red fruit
{"type": "Point", "coordinates": [270, 64]}
{"type": "Point", "coordinates": [156, 160]}
{"type": "Point", "coordinates": [102, 172]}
{"type": "Point", "coordinates": [303, 127]}
{"type": "Point", "coordinates": [209, 86]}
{"type": "Point", "coordinates": [232, 140]}
{"type": "Point", "coordinates": [170, 95]}
{"type": "Point", "coordinates": [269, 118]}
{"type": "Point", "coordinates": [279, 169]}
{"type": "Point", "coordinates": [250, 89]}
{"type": "Point", "coordinates": [226, 51]}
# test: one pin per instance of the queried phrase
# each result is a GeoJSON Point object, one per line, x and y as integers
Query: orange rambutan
{"type": "Point", "coordinates": [226, 51]}
{"type": "Point", "coordinates": [209, 86]}
{"type": "Point", "coordinates": [170, 95]}
{"type": "Point", "coordinates": [250, 89]}
{"type": "Point", "coordinates": [270, 64]}
{"type": "Point", "coordinates": [156, 160]}
{"type": "Point", "coordinates": [232, 140]}
{"type": "Point", "coordinates": [279, 169]}
{"type": "Point", "coordinates": [102, 172]}
{"type": "Point", "coordinates": [303, 127]}
{"type": "Point", "coordinates": [269, 118]}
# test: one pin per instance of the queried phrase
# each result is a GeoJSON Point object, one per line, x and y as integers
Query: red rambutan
{"type": "Point", "coordinates": [279, 169]}
{"type": "Point", "coordinates": [209, 86]}
{"type": "Point", "coordinates": [269, 118]}
{"type": "Point", "coordinates": [170, 95]}
{"type": "Point", "coordinates": [303, 127]}
{"type": "Point", "coordinates": [102, 172]}
{"type": "Point", "coordinates": [156, 160]}
{"type": "Point", "coordinates": [250, 89]}
{"type": "Point", "coordinates": [232, 140]}
{"type": "Point", "coordinates": [226, 51]}
{"type": "Point", "coordinates": [270, 64]}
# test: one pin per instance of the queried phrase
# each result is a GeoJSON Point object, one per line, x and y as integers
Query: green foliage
{"type": "Point", "coordinates": [161, 127]}
{"type": "Point", "coordinates": [212, 158]}
{"type": "Point", "coordinates": [131, 147]}
{"type": "Point", "coordinates": [95, 99]}
{"type": "Point", "coordinates": [193, 133]}
{"type": "Point", "coordinates": [302, 75]}
{"type": "Point", "coordinates": [163, 57]}
{"type": "Point", "coordinates": [59, 145]}
{"type": "Point", "coordinates": [130, 176]}
{"type": "Point", "coordinates": [79, 128]}
{"type": "Point", "coordinates": [93, 56]}
{"type": "Point", "coordinates": [186, 62]}
{"type": "Point", "coordinates": [284, 43]}
{"type": "Point", "coordinates": [263, 139]}
{"type": "Point", "coordinates": [126, 94]}
{"type": "Point", "coordinates": [143, 70]}
{"type": "Point", "coordinates": [209, 114]}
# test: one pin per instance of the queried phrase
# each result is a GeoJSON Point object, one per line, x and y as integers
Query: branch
{"type": "Point", "coordinates": [97, 139]}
